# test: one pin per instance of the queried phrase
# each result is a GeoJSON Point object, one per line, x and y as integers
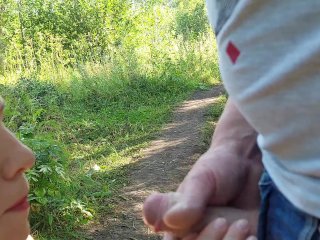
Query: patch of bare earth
{"type": "Point", "coordinates": [162, 167]}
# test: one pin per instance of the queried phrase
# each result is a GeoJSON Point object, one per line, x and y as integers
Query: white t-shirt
{"type": "Point", "coordinates": [269, 55]}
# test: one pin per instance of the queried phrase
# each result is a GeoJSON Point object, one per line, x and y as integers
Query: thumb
{"type": "Point", "coordinates": [178, 211]}
{"type": "Point", "coordinates": [156, 206]}
{"type": "Point", "coordinates": [192, 198]}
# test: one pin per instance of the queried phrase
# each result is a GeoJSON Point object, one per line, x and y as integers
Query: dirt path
{"type": "Point", "coordinates": [162, 166]}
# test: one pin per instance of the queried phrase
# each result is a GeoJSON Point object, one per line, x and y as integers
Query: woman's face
{"type": "Point", "coordinates": [15, 159]}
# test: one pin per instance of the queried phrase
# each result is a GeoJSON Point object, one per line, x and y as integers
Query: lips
{"type": "Point", "coordinates": [21, 205]}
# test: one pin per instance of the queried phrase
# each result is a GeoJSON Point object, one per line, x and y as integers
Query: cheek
{"type": "Point", "coordinates": [14, 226]}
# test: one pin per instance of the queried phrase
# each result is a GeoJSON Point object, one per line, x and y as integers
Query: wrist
{"type": "Point", "coordinates": [245, 146]}
{"type": "Point", "coordinates": [233, 133]}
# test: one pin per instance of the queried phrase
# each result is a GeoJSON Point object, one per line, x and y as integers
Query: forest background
{"type": "Point", "coordinates": [88, 83]}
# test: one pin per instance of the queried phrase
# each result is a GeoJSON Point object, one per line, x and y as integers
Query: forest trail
{"type": "Point", "coordinates": [162, 167]}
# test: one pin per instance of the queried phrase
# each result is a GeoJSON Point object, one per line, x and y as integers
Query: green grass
{"type": "Point", "coordinates": [212, 117]}
{"type": "Point", "coordinates": [87, 114]}
{"type": "Point", "coordinates": [85, 129]}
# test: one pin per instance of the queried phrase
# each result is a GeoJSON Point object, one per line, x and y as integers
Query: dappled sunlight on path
{"type": "Point", "coordinates": [160, 168]}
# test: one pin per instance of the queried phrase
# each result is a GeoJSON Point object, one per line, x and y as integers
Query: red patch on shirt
{"type": "Point", "coordinates": [233, 52]}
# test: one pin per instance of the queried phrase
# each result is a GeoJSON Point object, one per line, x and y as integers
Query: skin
{"type": "Point", "coordinates": [220, 230]}
{"type": "Point", "coordinates": [15, 159]}
{"type": "Point", "coordinates": [223, 183]}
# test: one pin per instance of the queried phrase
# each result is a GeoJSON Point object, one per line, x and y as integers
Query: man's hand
{"type": "Point", "coordinates": [233, 185]}
{"type": "Point", "coordinates": [220, 230]}
{"type": "Point", "coordinates": [226, 175]}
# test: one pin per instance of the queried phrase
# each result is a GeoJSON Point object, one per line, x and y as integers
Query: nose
{"type": "Point", "coordinates": [16, 157]}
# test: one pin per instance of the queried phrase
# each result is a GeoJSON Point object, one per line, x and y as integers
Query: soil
{"type": "Point", "coordinates": [161, 167]}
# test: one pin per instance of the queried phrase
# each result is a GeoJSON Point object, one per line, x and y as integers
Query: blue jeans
{"type": "Point", "coordinates": [279, 219]}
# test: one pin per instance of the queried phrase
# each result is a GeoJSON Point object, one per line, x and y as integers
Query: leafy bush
{"type": "Point", "coordinates": [87, 84]}
{"type": "Point", "coordinates": [55, 204]}
{"type": "Point", "coordinates": [51, 199]}
{"type": "Point", "coordinates": [191, 23]}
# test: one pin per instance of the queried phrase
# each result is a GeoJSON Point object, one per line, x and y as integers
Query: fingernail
{"type": "Point", "coordinates": [242, 225]}
{"type": "Point", "coordinates": [252, 238]}
{"type": "Point", "coordinates": [219, 223]}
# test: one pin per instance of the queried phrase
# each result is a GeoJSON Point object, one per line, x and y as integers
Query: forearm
{"type": "Point", "coordinates": [233, 152]}
{"type": "Point", "coordinates": [234, 132]}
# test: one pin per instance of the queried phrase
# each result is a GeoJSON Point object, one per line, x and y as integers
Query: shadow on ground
{"type": "Point", "coordinates": [162, 166]}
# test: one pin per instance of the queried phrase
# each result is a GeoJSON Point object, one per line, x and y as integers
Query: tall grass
{"type": "Point", "coordinates": [86, 119]}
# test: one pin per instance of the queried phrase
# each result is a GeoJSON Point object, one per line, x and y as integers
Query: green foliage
{"type": "Point", "coordinates": [87, 83]}
{"type": "Point", "coordinates": [51, 199]}
{"type": "Point", "coordinates": [29, 102]}
{"type": "Point", "coordinates": [31, 109]}
{"type": "Point", "coordinates": [71, 31]}
{"type": "Point", "coordinates": [212, 118]}
{"type": "Point", "coordinates": [93, 122]}
{"type": "Point", "coordinates": [191, 21]}
{"type": "Point", "coordinates": [44, 36]}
